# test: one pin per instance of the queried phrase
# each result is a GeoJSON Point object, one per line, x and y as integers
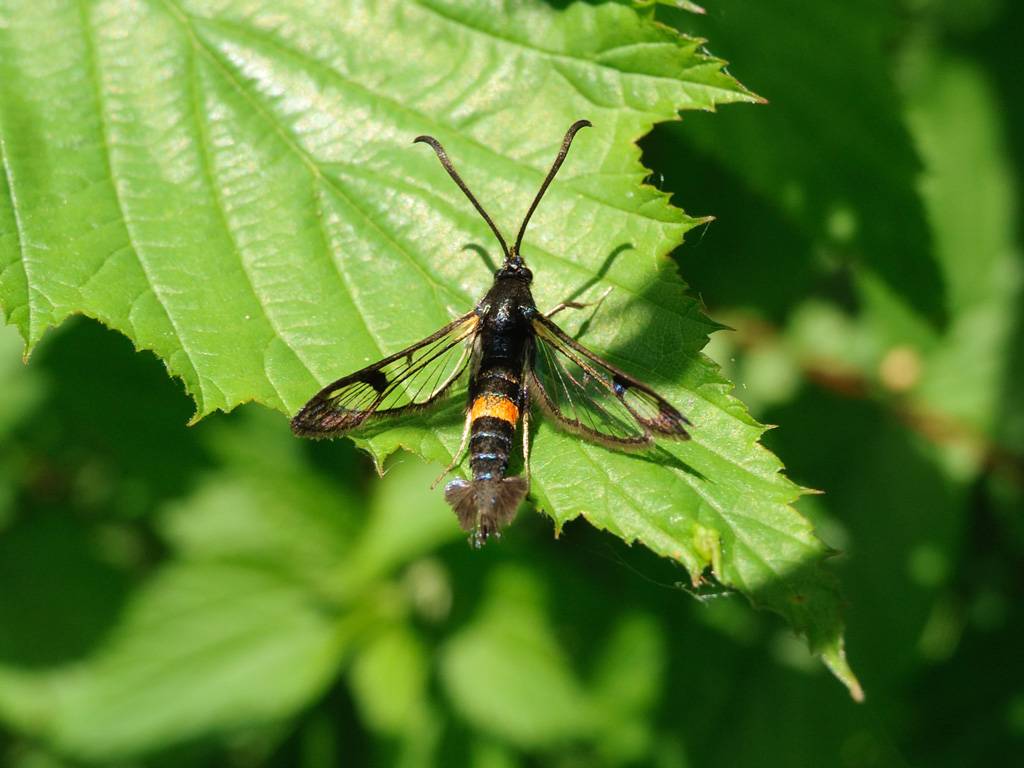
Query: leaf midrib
{"type": "Point", "coordinates": [21, 237]}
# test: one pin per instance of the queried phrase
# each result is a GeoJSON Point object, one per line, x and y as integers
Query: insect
{"type": "Point", "coordinates": [516, 356]}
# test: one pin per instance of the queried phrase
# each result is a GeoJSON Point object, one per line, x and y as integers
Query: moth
{"type": "Point", "coordinates": [516, 357]}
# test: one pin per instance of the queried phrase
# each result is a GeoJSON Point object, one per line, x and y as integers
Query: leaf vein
{"type": "Point", "coordinates": [342, 278]}
{"type": "Point", "coordinates": [291, 143]}
{"type": "Point", "coordinates": [20, 235]}
{"type": "Point", "coordinates": [206, 162]}
{"type": "Point", "coordinates": [428, 122]}
{"type": "Point", "coordinates": [94, 77]}
{"type": "Point", "coordinates": [544, 52]}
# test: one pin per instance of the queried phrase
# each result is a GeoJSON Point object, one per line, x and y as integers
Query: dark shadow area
{"type": "Point", "coordinates": [483, 254]}
{"type": "Point", "coordinates": [594, 305]}
{"type": "Point", "coordinates": [750, 245]}
{"type": "Point", "coordinates": [104, 446]}
{"type": "Point", "coordinates": [660, 456]}
{"type": "Point", "coordinates": [892, 506]}
{"type": "Point", "coordinates": [59, 597]}
{"type": "Point", "coordinates": [112, 419]}
{"type": "Point", "coordinates": [601, 272]}
{"type": "Point", "coordinates": [330, 734]}
{"type": "Point", "coordinates": [830, 146]}
{"type": "Point", "coordinates": [340, 461]}
{"type": "Point", "coordinates": [978, 687]}
{"type": "Point", "coordinates": [667, 346]}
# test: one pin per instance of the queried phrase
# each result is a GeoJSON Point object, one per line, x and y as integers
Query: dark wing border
{"type": "Point", "coordinates": [350, 401]}
{"type": "Point", "coordinates": [652, 414]}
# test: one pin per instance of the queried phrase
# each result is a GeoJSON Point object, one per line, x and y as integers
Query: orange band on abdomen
{"type": "Point", "coordinates": [496, 407]}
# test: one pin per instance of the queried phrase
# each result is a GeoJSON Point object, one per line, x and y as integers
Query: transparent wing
{"type": "Point", "coordinates": [595, 399]}
{"type": "Point", "coordinates": [408, 380]}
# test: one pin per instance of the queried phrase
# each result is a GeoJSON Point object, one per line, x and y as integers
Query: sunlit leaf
{"type": "Point", "coordinates": [231, 185]}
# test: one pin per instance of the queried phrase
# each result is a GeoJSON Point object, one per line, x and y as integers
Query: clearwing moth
{"type": "Point", "coordinates": [515, 356]}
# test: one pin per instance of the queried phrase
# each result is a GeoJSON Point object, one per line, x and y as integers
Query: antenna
{"type": "Point", "coordinates": [443, 157]}
{"type": "Point", "coordinates": [566, 142]}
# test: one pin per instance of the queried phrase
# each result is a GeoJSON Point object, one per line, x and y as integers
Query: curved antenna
{"type": "Point", "coordinates": [443, 157]}
{"type": "Point", "coordinates": [566, 142]}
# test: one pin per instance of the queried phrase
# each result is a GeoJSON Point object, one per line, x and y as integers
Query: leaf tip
{"type": "Point", "coordinates": [835, 660]}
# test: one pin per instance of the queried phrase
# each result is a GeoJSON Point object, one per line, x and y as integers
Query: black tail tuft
{"type": "Point", "coordinates": [484, 507]}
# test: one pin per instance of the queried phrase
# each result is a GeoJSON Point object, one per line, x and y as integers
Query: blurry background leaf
{"type": "Point", "coordinates": [831, 154]}
{"type": "Point", "coordinates": [507, 675]}
{"type": "Point", "coordinates": [201, 648]}
{"type": "Point", "coordinates": [920, 465]}
{"type": "Point", "coordinates": [274, 580]}
{"type": "Point", "coordinates": [628, 684]}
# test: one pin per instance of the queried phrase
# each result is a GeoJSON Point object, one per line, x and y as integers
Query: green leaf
{"type": "Point", "coordinates": [632, 665]}
{"type": "Point", "coordinates": [389, 682]}
{"type": "Point", "coordinates": [230, 185]}
{"type": "Point", "coordinates": [271, 583]}
{"type": "Point", "coordinates": [967, 372]}
{"type": "Point", "coordinates": [204, 647]}
{"type": "Point", "coordinates": [263, 506]}
{"type": "Point", "coordinates": [628, 681]}
{"type": "Point", "coordinates": [507, 675]}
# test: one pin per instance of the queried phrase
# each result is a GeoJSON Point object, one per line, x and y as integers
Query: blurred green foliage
{"type": "Point", "coordinates": [224, 595]}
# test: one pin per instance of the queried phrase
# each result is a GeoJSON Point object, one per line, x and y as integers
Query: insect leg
{"type": "Point", "coordinates": [459, 453]}
{"type": "Point", "coordinates": [579, 304]}
{"type": "Point", "coordinates": [524, 405]}
{"type": "Point", "coordinates": [526, 445]}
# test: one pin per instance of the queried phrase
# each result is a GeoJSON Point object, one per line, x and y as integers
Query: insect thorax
{"type": "Point", "coordinates": [508, 306]}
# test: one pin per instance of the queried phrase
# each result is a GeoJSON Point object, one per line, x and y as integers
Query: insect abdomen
{"type": "Point", "coordinates": [494, 414]}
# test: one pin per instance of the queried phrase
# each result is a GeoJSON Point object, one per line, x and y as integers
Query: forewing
{"type": "Point", "coordinates": [408, 380]}
{"type": "Point", "coordinates": [593, 398]}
